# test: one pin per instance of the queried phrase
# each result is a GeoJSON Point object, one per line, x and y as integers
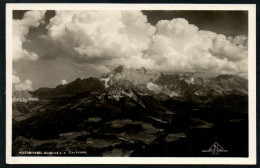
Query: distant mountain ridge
{"type": "Point", "coordinates": [178, 85]}
{"type": "Point", "coordinates": [121, 81]}
{"type": "Point", "coordinates": [71, 89]}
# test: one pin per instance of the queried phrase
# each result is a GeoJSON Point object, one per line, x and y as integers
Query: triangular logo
{"type": "Point", "coordinates": [215, 149]}
{"type": "Point", "coordinates": [216, 146]}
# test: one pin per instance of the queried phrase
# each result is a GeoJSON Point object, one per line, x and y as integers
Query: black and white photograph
{"type": "Point", "coordinates": [131, 83]}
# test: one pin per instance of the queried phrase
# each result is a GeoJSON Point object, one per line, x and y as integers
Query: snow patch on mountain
{"type": "Point", "coordinates": [174, 94]}
{"type": "Point", "coordinates": [190, 80]}
{"type": "Point", "coordinates": [153, 87]}
{"type": "Point", "coordinates": [106, 80]}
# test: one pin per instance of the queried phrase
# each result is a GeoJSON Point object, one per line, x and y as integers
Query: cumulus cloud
{"type": "Point", "coordinates": [15, 79]}
{"type": "Point", "coordinates": [103, 34]}
{"type": "Point", "coordinates": [18, 85]}
{"type": "Point", "coordinates": [180, 46]}
{"type": "Point", "coordinates": [63, 82]}
{"type": "Point", "coordinates": [20, 31]}
{"type": "Point", "coordinates": [223, 48]}
{"type": "Point", "coordinates": [240, 40]}
{"type": "Point", "coordinates": [108, 38]}
{"type": "Point", "coordinates": [26, 85]}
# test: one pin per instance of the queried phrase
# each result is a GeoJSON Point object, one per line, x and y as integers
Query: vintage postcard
{"type": "Point", "coordinates": [131, 84]}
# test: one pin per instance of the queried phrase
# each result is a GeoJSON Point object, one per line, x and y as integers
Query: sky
{"type": "Point", "coordinates": [56, 47]}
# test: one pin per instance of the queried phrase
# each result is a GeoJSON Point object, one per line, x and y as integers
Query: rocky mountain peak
{"type": "Point", "coordinates": [174, 84]}
{"type": "Point", "coordinates": [123, 88]}
{"type": "Point", "coordinates": [187, 74]}
{"type": "Point", "coordinates": [122, 84]}
{"type": "Point", "coordinates": [136, 76]}
{"type": "Point", "coordinates": [142, 70]}
{"type": "Point", "coordinates": [118, 69]}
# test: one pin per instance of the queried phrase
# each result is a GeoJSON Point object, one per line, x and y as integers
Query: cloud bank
{"type": "Point", "coordinates": [125, 37]}
{"type": "Point", "coordinates": [179, 46]}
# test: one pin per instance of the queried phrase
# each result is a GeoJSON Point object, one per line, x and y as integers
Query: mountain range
{"type": "Point", "coordinates": [146, 82]}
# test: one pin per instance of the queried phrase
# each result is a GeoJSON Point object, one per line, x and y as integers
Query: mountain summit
{"type": "Point", "coordinates": [136, 76]}
{"type": "Point", "coordinates": [177, 85]}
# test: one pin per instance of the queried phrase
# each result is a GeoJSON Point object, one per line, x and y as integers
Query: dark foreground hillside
{"type": "Point", "coordinates": [88, 126]}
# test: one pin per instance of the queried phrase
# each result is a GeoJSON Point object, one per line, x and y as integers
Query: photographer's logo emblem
{"type": "Point", "coordinates": [215, 149]}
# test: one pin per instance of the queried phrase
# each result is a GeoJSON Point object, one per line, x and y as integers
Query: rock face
{"type": "Point", "coordinates": [178, 85]}
{"type": "Point", "coordinates": [138, 76]}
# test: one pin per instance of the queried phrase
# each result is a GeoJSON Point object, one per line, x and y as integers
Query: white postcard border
{"type": "Point", "coordinates": [251, 160]}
